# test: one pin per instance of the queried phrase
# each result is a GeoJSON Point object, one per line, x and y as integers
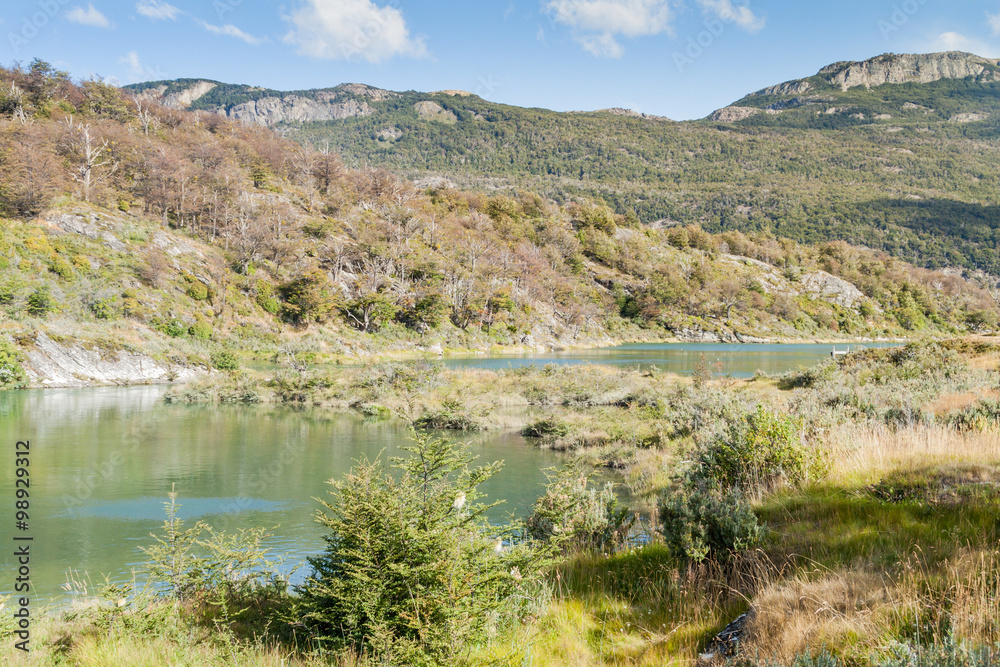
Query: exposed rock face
{"type": "Point", "coordinates": [787, 88]}
{"type": "Point", "coordinates": [455, 93]}
{"type": "Point", "coordinates": [732, 114]}
{"type": "Point", "coordinates": [175, 246]}
{"type": "Point", "coordinates": [179, 100]}
{"type": "Point", "coordinates": [910, 68]}
{"type": "Point", "coordinates": [52, 364]}
{"type": "Point", "coordinates": [822, 285]}
{"type": "Point", "coordinates": [90, 227]}
{"type": "Point", "coordinates": [390, 133]}
{"type": "Point", "coordinates": [372, 93]}
{"type": "Point", "coordinates": [433, 111]}
{"type": "Point", "coordinates": [968, 117]}
{"type": "Point", "coordinates": [270, 111]}
{"type": "Point", "coordinates": [632, 113]}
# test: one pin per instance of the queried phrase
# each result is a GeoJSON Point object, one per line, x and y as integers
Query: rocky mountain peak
{"type": "Point", "coordinates": [911, 68]}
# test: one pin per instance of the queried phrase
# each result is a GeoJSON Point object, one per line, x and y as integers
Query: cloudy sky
{"type": "Point", "coordinates": [677, 58]}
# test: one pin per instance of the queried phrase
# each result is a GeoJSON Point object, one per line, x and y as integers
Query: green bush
{"type": "Point", "coordinates": [225, 361]}
{"type": "Point", "coordinates": [309, 298]}
{"type": "Point", "coordinates": [412, 572]}
{"type": "Point", "coordinates": [704, 522]}
{"type": "Point", "coordinates": [196, 289]}
{"type": "Point", "coordinates": [62, 268]}
{"type": "Point", "coordinates": [452, 416]}
{"type": "Point", "coordinates": [756, 452]}
{"type": "Point", "coordinates": [173, 328]}
{"type": "Point", "coordinates": [574, 515]}
{"type": "Point", "coordinates": [200, 563]}
{"type": "Point", "coordinates": [201, 329]}
{"type": "Point", "coordinates": [546, 426]}
{"type": "Point", "coordinates": [427, 313]}
{"type": "Point", "coordinates": [12, 375]}
{"type": "Point", "coordinates": [106, 308]}
{"type": "Point", "coordinates": [266, 299]}
{"type": "Point", "coordinates": [40, 302]}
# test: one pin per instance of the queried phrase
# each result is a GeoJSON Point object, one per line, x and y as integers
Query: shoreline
{"type": "Point", "coordinates": [438, 353]}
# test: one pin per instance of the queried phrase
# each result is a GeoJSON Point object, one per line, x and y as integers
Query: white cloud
{"type": "Point", "coordinates": [954, 41]}
{"type": "Point", "coordinates": [351, 30]}
{"type": "Point", "coordinates": [137, 71]}
{"type": "Point", "coordinates": [740, 15]}
{"type": "Point", "coordinates": [602, 21]}
{"type": "Point", "coordinates": [157, 11]}
{"type": "Point", "coordinates": [89, 16]}
{"type": "Point", "coordinates": [994, 21]}
{"type": "Point", "coordinates": [132, 60]}
{"type": "Point", "coordinates": [602, 46]}
{"type": "Point", "coordinates": [231, 31]}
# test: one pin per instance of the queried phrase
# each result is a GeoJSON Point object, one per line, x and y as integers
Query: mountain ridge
{"type": "Point", "coordinates": [906, 167]}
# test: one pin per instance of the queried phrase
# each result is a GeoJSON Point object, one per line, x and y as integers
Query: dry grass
{"type": "Point", "coordinates": [862, 454]}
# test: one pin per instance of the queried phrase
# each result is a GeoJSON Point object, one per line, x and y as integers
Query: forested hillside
{"type": "Point", "coordinates": [132, 223]}
{"type": "Point", "coordinates": [908, 167]}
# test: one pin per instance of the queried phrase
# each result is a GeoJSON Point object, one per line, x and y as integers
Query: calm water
{"type": "Point", "coordinates": [739, 360]}
{"type": "Point", "coordinates": [103, 461]}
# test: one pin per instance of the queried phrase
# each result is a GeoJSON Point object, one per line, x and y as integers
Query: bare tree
{"type": "Point", "coordinates": [91, 154]}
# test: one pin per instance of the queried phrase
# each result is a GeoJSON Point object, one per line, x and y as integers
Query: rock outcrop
{"type": "Point", "coordinates": [822, 285]}
{"type": "Point", "coordinates": [271, 111]}
{"type": "Point", "coordinates": [733, 114]}
{"type": "Point", "coordinates": [910, 68]}
{"type": "Point", "coordinates": [433, 111]}
{"type": "Point", "coordinates": [71, 364]}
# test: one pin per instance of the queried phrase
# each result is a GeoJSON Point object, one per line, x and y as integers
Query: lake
{"type": "Point", "coordinates": [103, 460]}
{"type": "Point", "coordinates": [740, 361]}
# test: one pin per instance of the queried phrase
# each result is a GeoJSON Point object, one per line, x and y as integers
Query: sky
{"type": "Point", "coordinates": [676, 58]}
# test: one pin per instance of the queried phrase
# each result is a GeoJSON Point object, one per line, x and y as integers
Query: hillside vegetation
{"type": "Point", "coordinates": [125, 218]}
{"type": "Point", "coordinates": [907, 167]}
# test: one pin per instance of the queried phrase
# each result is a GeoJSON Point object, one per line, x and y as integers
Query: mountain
{"type": "Point", "coordinates": [898, 153]}
{"type": "Point", "coordinates": [138, 243]}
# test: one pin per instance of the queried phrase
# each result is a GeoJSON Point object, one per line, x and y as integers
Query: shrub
{"type": "Point", "coordinates": [12, 375]}
{"type": "Point", "coordinates": [196, 289]}
{"type": "Point", "coordinates": [427, 313]}
{"type": "Point", "coordinates": [412, 572]}
{"type": "Point", "coordinates": [222, 569]}
{"type": "Point", "coordinates": [452, 416]}
{"type": "Point", "coordinates": [40, 302]}
{"type": "Point", "coordinates": [704, 522]}
{"type": "Point", "coordinates": [225, 361]}
{"type": "Point", "coordinates": [173, 328]}
{"type": "Point", "coordinates": [106, 308]}
{"type": "Point", "coordinates": [546, 426]}
{"type": "Point", "coordinates": [62, 268]}
{"type": "Point", "coordinates": [755, 453]}
{"type": "Point", "coordinates": [574, 515]}
{"type": "Point", "coordinates": [309, 298]}
{"type": "Point", "coordinates": [266, 299]}
{"type": "Point", "coordinates": [201, 329]}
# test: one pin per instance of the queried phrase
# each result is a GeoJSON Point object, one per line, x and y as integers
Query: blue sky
{"type": "Point", "coordinates": [677, 58]}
